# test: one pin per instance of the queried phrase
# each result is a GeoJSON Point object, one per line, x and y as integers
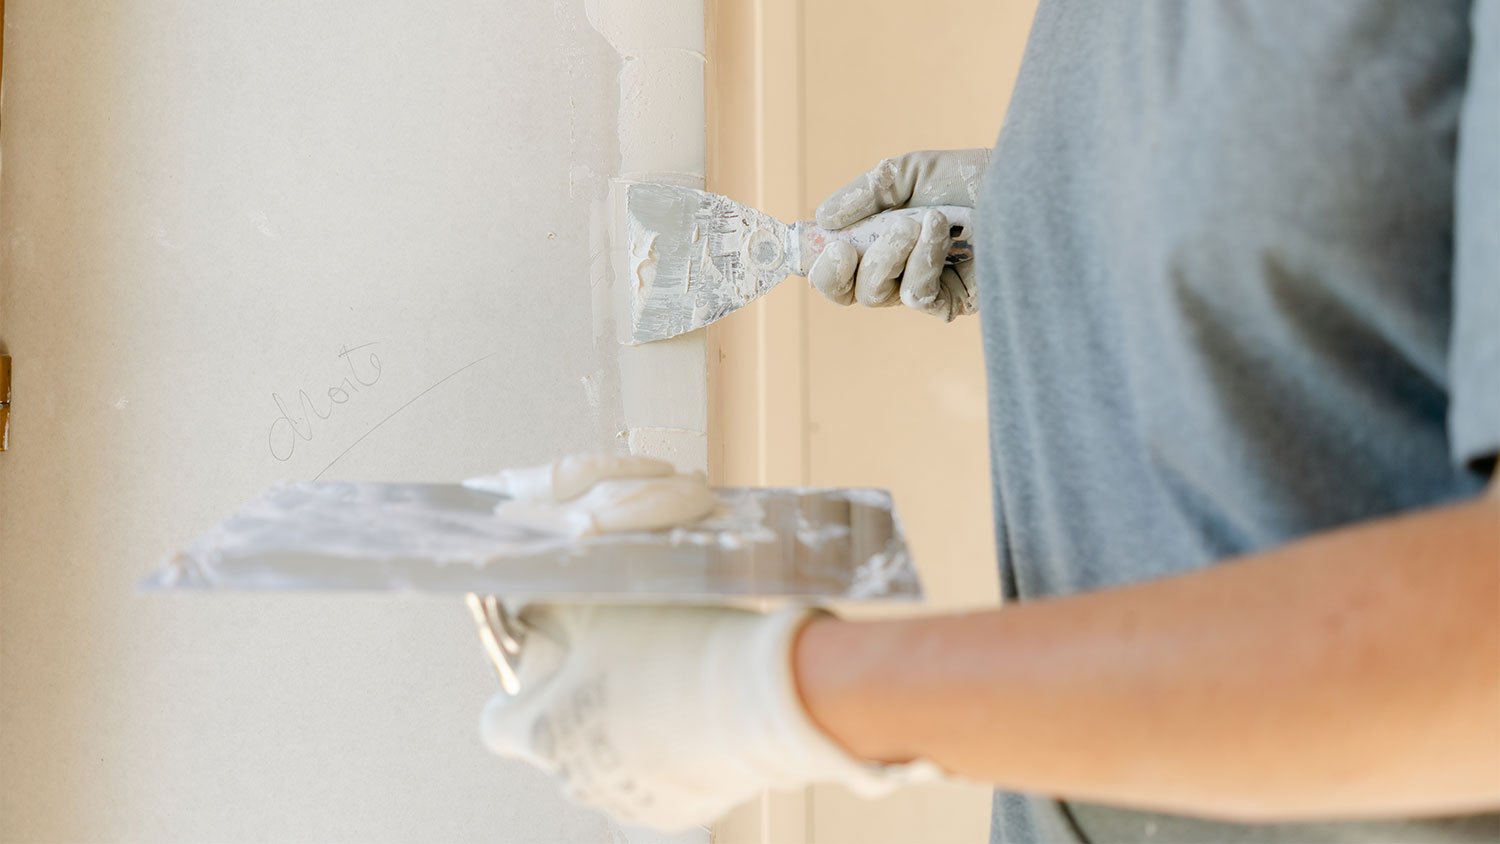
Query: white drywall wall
{"type": "Point", "coordinates": [202, 207]}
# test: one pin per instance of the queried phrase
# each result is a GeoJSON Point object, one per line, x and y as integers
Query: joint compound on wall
{"type": "Point", "coordinates": [686, 449]}
{"type": "Point", "coordinates": [657, 88]}
{"type": "Point", "coordinates": [661, 124]}
{"type": "Point", "coordinates": [633, 26]}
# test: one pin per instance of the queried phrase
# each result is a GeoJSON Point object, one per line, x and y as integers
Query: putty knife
{"type": "Point", "coordinates": [803, 545]}
{"type": "Point", "coordinates": [696, 256]}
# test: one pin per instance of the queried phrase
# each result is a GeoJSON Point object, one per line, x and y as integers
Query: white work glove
{"type": "Point", "coordinates": [907, 263]}
{"type": "Point", "coordinates": [669, 716]}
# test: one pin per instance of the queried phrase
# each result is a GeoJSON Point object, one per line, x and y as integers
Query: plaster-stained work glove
{"type": "Point", "coordinates": [906, 264]}
{"type": "Point", "coordinates": [669, 716]}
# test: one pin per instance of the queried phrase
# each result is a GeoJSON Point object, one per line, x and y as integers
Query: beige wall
{"type": "Point", "coordinates": [201, 204]}
{"type": "Point", "coordinates": [809, 93]}
{"type": "Point", "coordinates": [894, 399]}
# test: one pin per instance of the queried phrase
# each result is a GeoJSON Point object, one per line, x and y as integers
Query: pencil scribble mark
{"type": "Point", "coordinates": [337, 393]}
{"type": "Point", "coordinates": [404, 406]}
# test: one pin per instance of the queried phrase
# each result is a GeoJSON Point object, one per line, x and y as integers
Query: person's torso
{"type": "Point", "coordinates": [1215, 254]}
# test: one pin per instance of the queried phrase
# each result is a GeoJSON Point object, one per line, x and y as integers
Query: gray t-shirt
{"type": "Point", "coordinates": [1240, 283]}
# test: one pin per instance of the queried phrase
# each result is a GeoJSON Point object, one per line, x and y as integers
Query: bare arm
{"type": "Point", "coordinates": [1351, 674]}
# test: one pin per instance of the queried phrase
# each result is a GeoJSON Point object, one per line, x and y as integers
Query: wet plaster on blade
{"type": "Point", "coordinates": [618, 505]}
{"type": "Point", "coordinates": [568, 477]}
{"type": "Point", "coordinates": [645, 503]}
{"type": "Point", "coordinates": [643, 260]}
{"type": "Point", "coordinates": [662, 384]}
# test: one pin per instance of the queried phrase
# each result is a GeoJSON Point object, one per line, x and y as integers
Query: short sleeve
{"type": "Point", "coordinates": [1474, 353]}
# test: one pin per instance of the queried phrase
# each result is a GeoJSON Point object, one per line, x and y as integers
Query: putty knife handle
{"type": "Point", "coordinates": [862, 235]}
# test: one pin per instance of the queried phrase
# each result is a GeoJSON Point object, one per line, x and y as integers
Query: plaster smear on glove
{"type": "Point", "coordinates": [877, 192]}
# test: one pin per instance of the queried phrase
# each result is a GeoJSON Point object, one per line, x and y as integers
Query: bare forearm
{"type": "Point", "coordinates": [1352, 674]}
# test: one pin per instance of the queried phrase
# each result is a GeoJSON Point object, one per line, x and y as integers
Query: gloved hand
{"type": "Point", "coordinates": [906, 263]}
{"type": "Point", "coordinates": [669, 716]}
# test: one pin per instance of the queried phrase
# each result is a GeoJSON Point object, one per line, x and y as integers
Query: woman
{"type": "Point", "coordinates": [1239, 276]}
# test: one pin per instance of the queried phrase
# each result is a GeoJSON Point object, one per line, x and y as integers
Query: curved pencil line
{"type": "Point", "coordinates": [399, 409]}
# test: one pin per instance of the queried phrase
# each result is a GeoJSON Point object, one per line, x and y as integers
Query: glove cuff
{"type": "Point", "coordinates": [794, 750]}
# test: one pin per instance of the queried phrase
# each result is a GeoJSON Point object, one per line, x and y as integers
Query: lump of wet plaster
{"type": "Point", "coordinates": [585, 494]}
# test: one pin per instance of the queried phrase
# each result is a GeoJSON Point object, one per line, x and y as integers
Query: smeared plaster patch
{"type": "Point", "coordinates": [263, 224]}
{"type": "Point", "coordinates": [583, 181]}
{"type": "Point", "coordinates": [662, 112]}
{"type": "Point", "coordinates": [661, 124]}
{"type": "Point", "coordinates": [591, 390]}
{"type": "Point", "coordinates": [686, 449]}
{"type": "Point", "coordinates": [662, 384]}
{"type": "Point", "coordinates": [162, 237]}
{"type": "Point", "coordinates": [634, 25]}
